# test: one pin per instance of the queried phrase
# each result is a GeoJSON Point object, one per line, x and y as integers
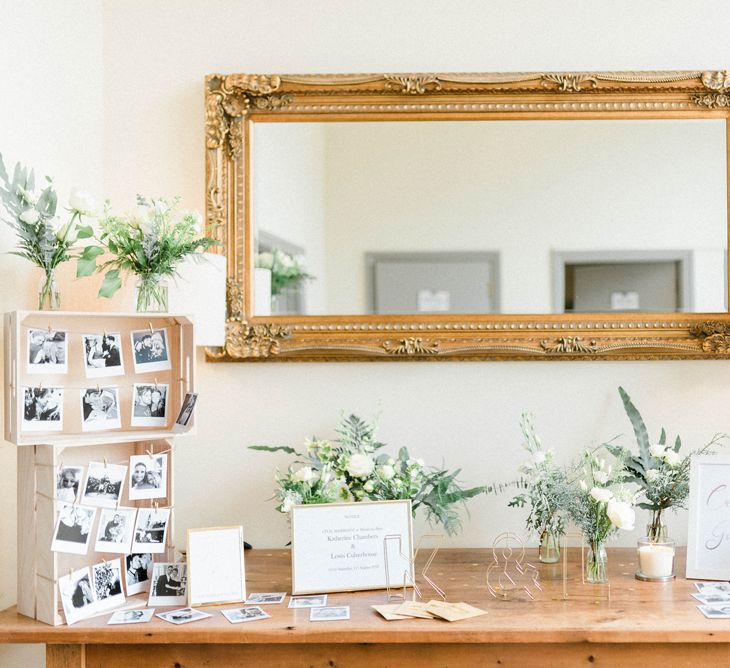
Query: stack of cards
{"type": "Point", "coordinates": [451, 612]}
{"type": "Point", "coordinates": [715, 599]}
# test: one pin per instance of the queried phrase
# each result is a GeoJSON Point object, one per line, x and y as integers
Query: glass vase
{"type": "Point", "coordinates": [151, 294]}
{"type": "Point", "coordinates": [549, 552]}
{"type": "Point", "coordinates": [596, 563]}
{"type": "Point", "coordinates": [655, 530]}
{"type": "Point", "coordinates": [49, 296]}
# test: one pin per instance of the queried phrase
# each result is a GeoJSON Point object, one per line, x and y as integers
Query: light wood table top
{"type": "Point", "coordinates": [638, 612]}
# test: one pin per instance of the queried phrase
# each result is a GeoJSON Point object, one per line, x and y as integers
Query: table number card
{"type": "Point", "coordinates": [708, 542]}
{"type": "Point", "coordinates": [340, 546]}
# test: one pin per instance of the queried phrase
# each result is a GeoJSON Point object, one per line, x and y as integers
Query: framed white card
{"type": "Point", "coordinates": [340, 546]}
{"type": "Point", "coordinates": [216, 572]}
{"type": "Point", "coordinates": [708, 540]}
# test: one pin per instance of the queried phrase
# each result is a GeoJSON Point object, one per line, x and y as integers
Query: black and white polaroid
{"type": "Point", "coordinates": [103, 355]}
{"type": "Point", "coordinates": [713, 587]}
{"type": "Point", "coordinates": [100, 409]}
{"type": "Point", "coordinates": [104, 484]}
{"type": "Point", "coordinates": [183, 616]}
{"type": "Point", "coordinates": [107, 580]}
{"type": "Point", "coordinates": [47, 351]}
{"type": "Point", "coordinates": [149, 405]}
{"type": "Point", "coordinates": [333, 614]}
{"type": "Point", "coordinates": [138, 573]}
{"type": "Point", "coordinates": [186, 412]}
{"type": "Point", "coordinates": [68, 483]}
{"type": "Point", "coordinates": [715, 612]}
{"type": "Point", "coordinates": [169, 584]}
{"type": "Point", "coordinates": [77, 595]}
{"type": "Point", "coordinates": [116, 529]}
{"type": "Point", "coordinates": [42, 409]}
{"type": "Point", "coordinates": [132, 616]}
{"type": "Point", "coordinates": [147, 476]}
{"type": "Point", "coordinates": [73, 529]}
{"type": "Point", "coordinates": [308, 601]}
{"type": "Point", "coordinates": [266, 598]}
{"type": "Point", "coordinates": [150, 350]}
{"type": "Point", "coordinates": [245, 615]}
{"type": "Point", "coordinates": [150, 530]}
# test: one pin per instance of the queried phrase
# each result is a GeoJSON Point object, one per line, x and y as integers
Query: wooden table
{"type": "Point", "coordinates": [643, 624]}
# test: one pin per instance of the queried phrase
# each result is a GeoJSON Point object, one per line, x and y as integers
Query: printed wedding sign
{"type": "Point", "coordinates": [708, 542]}
{"type": "Point", "coordinates": [340, 546]}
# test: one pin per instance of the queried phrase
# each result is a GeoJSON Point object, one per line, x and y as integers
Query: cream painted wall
{"type": "Point", "coordinates": [153, 59]}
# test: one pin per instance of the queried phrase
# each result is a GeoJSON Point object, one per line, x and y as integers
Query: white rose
{"type": "Point", "coordinates": [601, 494]}
{"type": "Point", "coordinates": [652, 475]}
{"type": "Point", "coordinates": [601, 477]}
{"type": "Point", "coordinates": [360, 466]}
{"type": "Point", "coordinates": [672, 458]}
{"type": "Point", "coordinates": [583, 485]}
{"type": "Point", "coordinates": [621, 515]}
{"type": "Point", "coordinates": [291, 499]}
{"type": "Point", "coordinates": [265, 260]}
{"type": "Point", "coordinates": [81, 202]}
{"type": "Point", "coordinates": [387, 472]}
{"type": "Point", "coordinates": [29, 216]}
{"type": "Point", "coordinates": [538, 457]}
{"type": "Point", "coordinates": [286, 261]}
{"type": "Point", "coordinates": [657, 450]}
{"type": "Point", "coordinates": [390, 461]}
{"type": "Point", "coordinates": [304, 474]}
{"type": "Point", "coordinates": [368, 486]}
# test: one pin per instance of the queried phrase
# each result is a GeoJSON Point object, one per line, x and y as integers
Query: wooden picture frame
{"type": "Point", "coordinates": [215, 556]}
{"type": "Point", "coordinates": [234, 102]}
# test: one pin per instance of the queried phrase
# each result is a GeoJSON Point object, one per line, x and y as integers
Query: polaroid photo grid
{"type": "Point", "coordinates": [100, 408]}
{"type": "Point", "coordinates": [103, 355]}
{"type": "Point", "coordinates": [169, 584]}
{"type": "Point", "coordinates": [147, 476]}
{"type": "Point", "coordinates": [150, 349]}
{"type": "Point", "coordinates": [73, 529]}
{"type": "Point", "coordinates": [47, 352]}
{"type": "Point", "coordinates": [116, 530]}
{"type": "Point", "coordinates": [150, 530]}
{"type": "Point", "coordinates": [149, 404]}
{"type": "Point", "coordinates": [42, 409]}
{"type": "Point", "coordinates": [107, 581]}
{"type": "Point", "coordinates": [77, 595]}
{"type": "Point", "coordinates": [139, 572]}
{"type": "Point", "coordinates": [104, 484]}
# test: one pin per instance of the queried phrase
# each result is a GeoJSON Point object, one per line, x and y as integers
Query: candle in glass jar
{"type": "Point", "coordinates": [656, 561]}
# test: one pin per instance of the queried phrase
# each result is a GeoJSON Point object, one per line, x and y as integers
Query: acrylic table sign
{"type": "Point", "coordinates": [708, 541]}
{"type": "Point", "coordinates": [216, 572]}
{"type": "Point", "coordinates": [340, 546]}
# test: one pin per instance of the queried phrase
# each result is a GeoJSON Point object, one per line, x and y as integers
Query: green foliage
{"type": "Point", "coordinates": [286, 270]}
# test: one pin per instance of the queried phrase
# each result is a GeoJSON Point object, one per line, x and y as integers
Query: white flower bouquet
{"type": "Point", "coordinates": [286, 270]}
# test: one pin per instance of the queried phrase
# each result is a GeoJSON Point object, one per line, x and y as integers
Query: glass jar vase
{"type": "Point", "coordinates": [49, 296]}
{"type": "Point", "coordinates": [596, 563]}
{"type": "Point", "coordinates": [549, 552]}
{"type": "Point", "coordinates": [151, 294]}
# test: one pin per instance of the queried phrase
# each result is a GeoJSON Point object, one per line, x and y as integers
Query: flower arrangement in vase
{"type": "Point", "coordinates": [354, 468]}
{"type": "Point", "coordinates": [42, 238]}
{"type": "Point", "coordinates": [150, 244]}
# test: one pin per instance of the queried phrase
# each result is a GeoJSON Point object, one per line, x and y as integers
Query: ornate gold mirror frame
{"type": "Point", "coordinates": [234, 102]}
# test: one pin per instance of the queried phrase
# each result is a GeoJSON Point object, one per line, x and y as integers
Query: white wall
{"type": "Point", "coordinates": [155, 55]}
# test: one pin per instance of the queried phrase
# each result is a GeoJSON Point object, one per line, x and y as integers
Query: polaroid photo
{"type": "Point", "coordinates": [73, 529]}
{"type": "Point", "coordinates": [147, 476]}
{"type": "Point", "coordinates": [186, 413]}
{"type": "Point", "coordinates": [42, 409]}
{"type": "Point", "coordinates": [150, 350]}
{"type": "Point", "coordinates": [100, 408]}
{"type": "Point", "coordinates": [334, 614]}
{"type": "Point", "coordinates": [47, 351]}
{"type": "Point", "coordinates": [104, 484]}
{"type": "Point", "coordinates": [68, 483]}
{"type": "Point", "coordinates": [103, 355]}
{"type": "Point", "coordinates": [107, 580]}
{"type": "Point", "coordinates": [713, 587]}
{"type": "Point", "coordinates": [308, 601]}
{"type": "Point", "coordinates": [169, 584]}
{"type": "Point", "coordinates": [139, 572]}
{"type": "Point", "coordinates": [183, 616]}
{"type": "Point", "coordinates": [715, 611]}
{"type": "Point", "coordinates": [116, 529]}
{"type": "Point", "coordinates": [132, 616]}
{"type": "Point", "coordinates": [266, 598]}
{"type": "Point", "coordinates": [712, 598]}
{"type": "Point", "coordinates": [149, 405]}
{"type": "Point", "coordinates": [150, 530]}
{"type": "Point", "coordinates": [77, 595]}
{"type": "Point", "coordinates": [245, 615]}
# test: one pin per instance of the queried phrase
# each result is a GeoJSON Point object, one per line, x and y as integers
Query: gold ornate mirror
{"type": "Point", "coordinates": [471, 216]}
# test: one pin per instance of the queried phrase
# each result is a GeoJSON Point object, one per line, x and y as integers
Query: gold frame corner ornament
{"type": "Point", "coordinates": [233, 102]}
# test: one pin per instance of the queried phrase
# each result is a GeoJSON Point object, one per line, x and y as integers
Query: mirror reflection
{"type": "Point", "coordinates": [463, 217]}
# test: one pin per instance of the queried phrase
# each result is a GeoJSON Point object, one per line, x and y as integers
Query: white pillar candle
{"type": "Point", "coordinates": [656, 561]}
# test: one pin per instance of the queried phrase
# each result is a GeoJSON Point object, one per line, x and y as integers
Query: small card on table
{"type": "Point", "coordinates": [453, 612]}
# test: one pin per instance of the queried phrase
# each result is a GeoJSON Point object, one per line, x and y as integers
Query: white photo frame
{"type": "Point", "coordinates": [336, 546]}
{"type": "Point", "coordinates": [150, 530]}
{"type": "Point", "coordinates": [72, 531]}
{"type": "Point", "coordinates": [138, 572]}
{"type": "Point", "coordinates": [216, 569]}
{"type": "Point", "coordinates": [77, 595]}
{"type": "Point", "coordinates": [42, 409]}
{"type": "Point", "coordinates": [102, 354]}
{"type": "Point", "coordinates": [150, 404]}
{"type": "Point", "coordinates": [100, 409]}
{"type": "Point", "coordinates": [104, 484]}
{"type": "Point", "coordinates": [150, 350]}
{"type": "Point", "coordinates": [169, 584]}
{"type": "Point", "coordinates": [47, 351]}
{"type": "Point", "coordinates": [148, 476]}
{"type": "Point", "coordinates": [107, 582]}
{"type": "Point", "coordinates": [116, 529]}
{"type": "Point", "coordinates": [708, 538]}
